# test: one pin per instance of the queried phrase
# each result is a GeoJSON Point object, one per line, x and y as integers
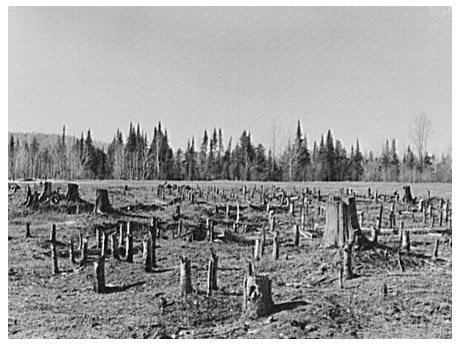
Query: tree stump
{"type": "Point", "coordinates": [275, 254]}
{"type": "Point", "coordinates": [153, 240]}
{"type": "Point", "coordinates": [147, 254]}
{"type": "Point", "coordinates": [99, 275]}
{"type": "Point", "coordinates": [296, 235]}
{"type": "Point", "coordinates": [379, 222]}
{"type": "Point", "coordinates": [46, 191]}
{"type": "Point", "coordinates": [71, 253]}
{"type": "Point", "coordinates": [72, 194]}
{"type": "Point", "coordinates": [84, 252]}
{"type": "Point", "coordinates": [104, 244]}
{"type": "Point", "coordinates": [28, 230]}
{"type": "Point", "coordinates": [435, 249]}
{"type": "Point", "coordinates": [256, 250]}
{"type": "Point", "coordinates": [212, 273]}
{"type": "Point", "coordinates": [114, 246]}
{"type": "Point", "coordinates": [405, 243]}
{"type": "Point", "coordinates": [257, 297]}
{"type": "Point", "coordinates": [129, 248]}
{"type": "Point", "coordinates": [102, 204]}
{"type": "Point", "coordinates": [185, 277]}
{"type": "Point", "coordinates": [347, 260]}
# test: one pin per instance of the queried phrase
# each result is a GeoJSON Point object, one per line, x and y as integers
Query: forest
{"type": "Point", "coordinates": [210, 158]}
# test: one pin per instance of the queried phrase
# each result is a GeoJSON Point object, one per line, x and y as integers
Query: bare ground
{"type": "Point", "coordinates": [308, 300]}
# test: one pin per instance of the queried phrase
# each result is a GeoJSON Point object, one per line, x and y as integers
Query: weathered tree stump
{"type": "Point", "coordinates": [340, 276]}
{"type": "Point", "coordinates": [102, 204]}
{"type": "Point", "coordinates": [46, 191]}
{"type": "Point", "coordinates": [405, 243]}
{"type": "Point", "coordinates": [256, 251]}
{"type": "Point", "coordinates": [53, 248]}
{"type": "Point", "coordinates": [341, 223]}
{"type": "Point", "coordinates": [257, 297]}
{"type": "Point", "coordinates": [71, 253]}
{"type": "Point", "coordinates": [114, 246]}
{"type": "Point", "coordinates": [84, 252]}
{"type": "Point", "coordinates": [296, 235]}
{"type": "Point", "coordinates": [185, 277]}
{"type": "Point", "coordinates": [435, 249]}
{"type": "Point", "coordinates": [153, 240]}
{"type": "Point", "coordinates": [104, 244]}
{"type": "Point", "coordinates": [129, 248]}
{"type": "Point", "coordinates": [275, 253]}
{"type": "Point", "coordinates": [212, 273]}
{"type": "Point", "coordinates": [99, 275]}
{"type": "Point", "coordinates": [28, 230]}
{"type": "Point", "coordinates": [72, 194]}
{"type": "Point", "coordinates": [347, 260]}
{"type": "Point", "coordinates": [147, 254]}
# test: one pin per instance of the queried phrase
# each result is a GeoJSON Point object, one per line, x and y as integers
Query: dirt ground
{"type": "Point", "coordinates": [308, 300]}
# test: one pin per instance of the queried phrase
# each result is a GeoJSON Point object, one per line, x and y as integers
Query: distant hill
{"type": "Point", "coordinates": [50, 139]}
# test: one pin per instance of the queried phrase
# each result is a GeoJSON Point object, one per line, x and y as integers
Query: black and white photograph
{"type": "Point", "coordinates": [229, 172]}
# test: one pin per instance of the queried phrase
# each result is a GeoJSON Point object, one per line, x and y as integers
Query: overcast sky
{"type": "Point", "coordinates": [362, 72]}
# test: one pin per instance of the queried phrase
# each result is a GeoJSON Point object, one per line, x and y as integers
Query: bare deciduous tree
{"type": "Point", "coordinates": [419, 134]}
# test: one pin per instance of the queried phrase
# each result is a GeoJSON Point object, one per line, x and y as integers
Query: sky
{"type": "Point", "coordinates": [363, 72]}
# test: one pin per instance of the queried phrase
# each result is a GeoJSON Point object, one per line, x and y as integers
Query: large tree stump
{"type": "Point", "coordinates": [408, 198]}
{"type": "Point", "coordinates": [72, 194]}
{"type": "Point", "coordinates": [102, 204]}
{"type": "Point", "coordinates": [99, 275]}
{"type": "Point", "coordinates": [46, 191]}
{"type": "Point", "coordinates": [342, 223]}
{"type": "Point", "coordinates": [185, 276]}
{"type": "Point", "coordinates": [257, 296]}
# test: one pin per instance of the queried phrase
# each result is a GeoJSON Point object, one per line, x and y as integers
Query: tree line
{"type": "Point", "coordinates": [210, 158]}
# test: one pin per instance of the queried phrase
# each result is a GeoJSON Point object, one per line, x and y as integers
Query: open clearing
{"type": "Point", "coordinates": [308, 300]}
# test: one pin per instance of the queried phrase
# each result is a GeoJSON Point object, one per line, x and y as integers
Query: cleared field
{"type": "Point", "coordinates": [308, 300]}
